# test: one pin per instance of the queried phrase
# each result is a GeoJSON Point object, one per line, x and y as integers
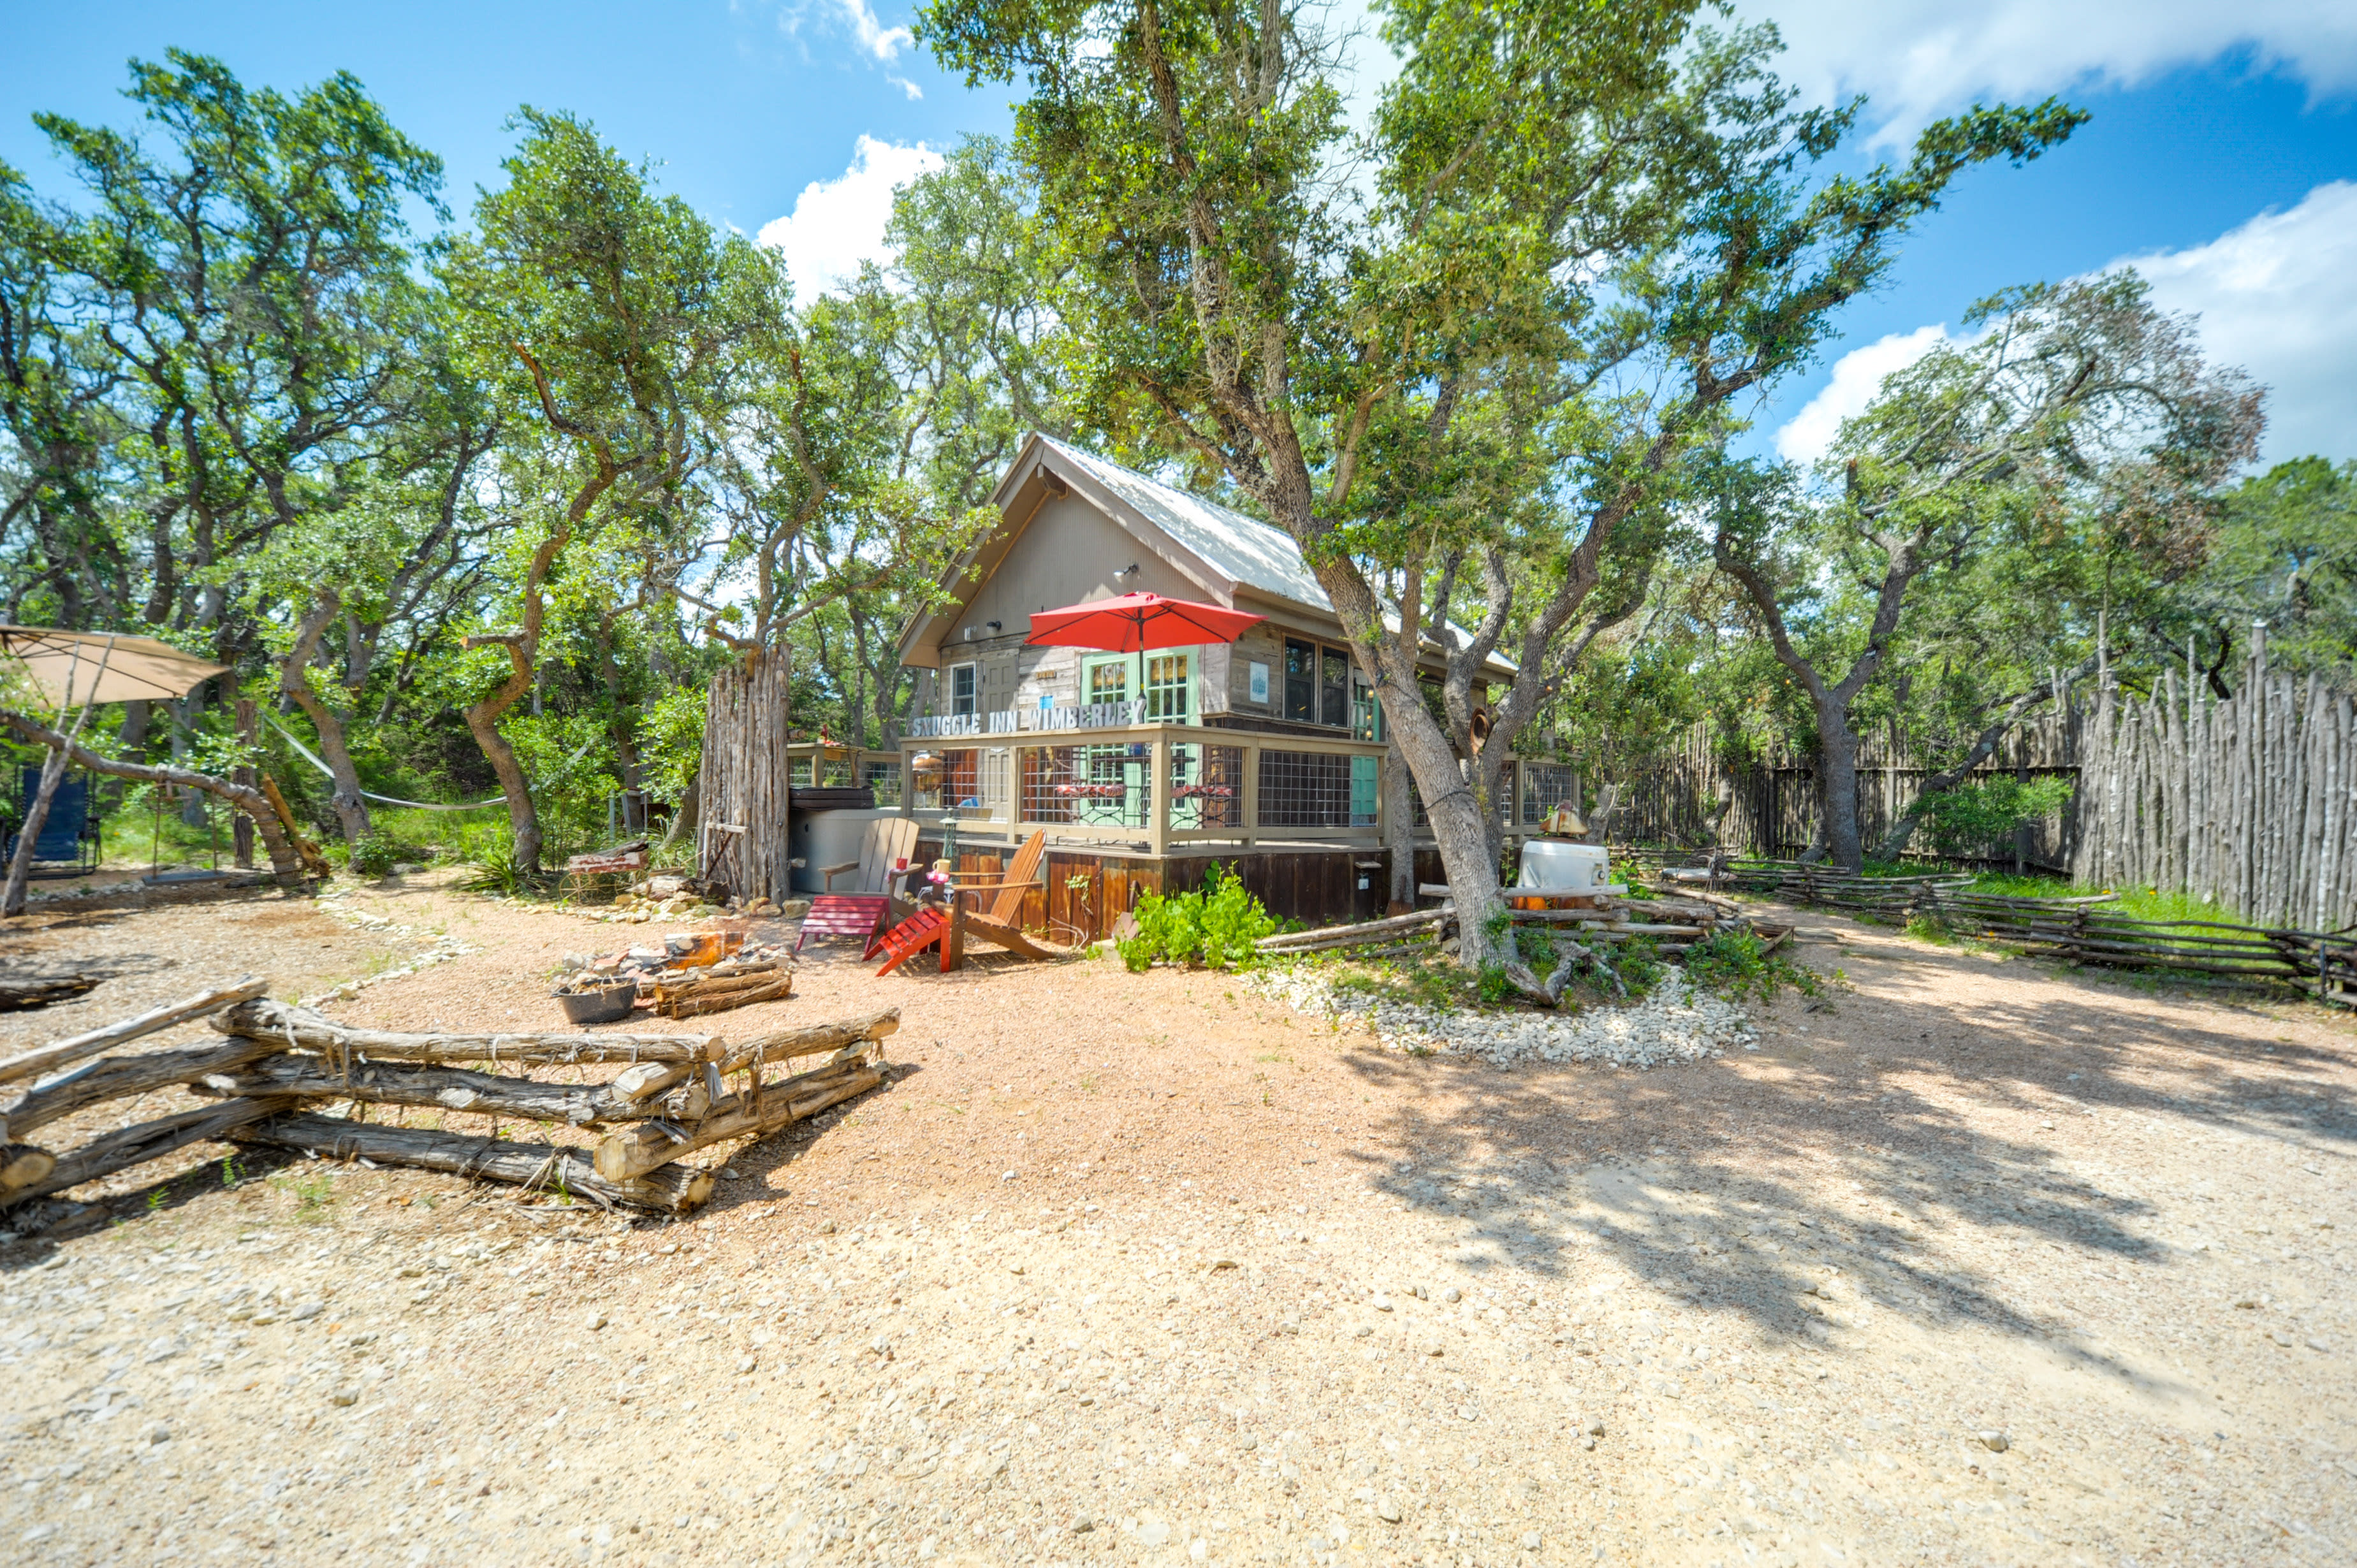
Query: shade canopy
{"type": "Point", "coordinates": [71, 668]}
{"type": "Point", "coordinates": [1135, 622]}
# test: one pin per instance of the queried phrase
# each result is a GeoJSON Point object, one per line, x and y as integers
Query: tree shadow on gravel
{"type": "Point", "coordinates": [1670, 1173]}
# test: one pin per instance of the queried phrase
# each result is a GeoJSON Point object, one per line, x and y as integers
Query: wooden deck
{"type": "Point", "coordinates": [1084, 890]}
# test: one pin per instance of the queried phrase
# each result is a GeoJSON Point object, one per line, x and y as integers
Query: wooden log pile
{"type": "Point", "coordinates": [721, 987]}
{"type": "Point", "coordinates": [276, 1066]}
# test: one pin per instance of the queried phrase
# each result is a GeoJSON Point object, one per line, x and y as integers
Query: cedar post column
{"type": "Point", "coordinates": [1248, 795]}
{"type": "Point", "coordinates": [1157, 798]}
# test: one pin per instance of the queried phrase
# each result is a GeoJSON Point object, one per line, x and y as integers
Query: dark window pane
{"type": "Point", "coordinates": [1334, 690]}
{"type": "Point", "coordinates": [1301, 682]}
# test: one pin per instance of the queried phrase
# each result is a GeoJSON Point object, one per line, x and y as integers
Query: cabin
{"type": "Point", "coordinates": [1265, 754]}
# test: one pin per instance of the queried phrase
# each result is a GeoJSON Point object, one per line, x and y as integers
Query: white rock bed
{"type": "Point", "coordinates": [1675, 1024]}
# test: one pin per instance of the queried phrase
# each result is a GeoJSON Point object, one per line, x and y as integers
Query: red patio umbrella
{"type": "Point", "coordinates": [1135, 622]}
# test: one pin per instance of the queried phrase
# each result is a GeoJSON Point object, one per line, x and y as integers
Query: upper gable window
{"type": "Point", "coordinates": [963, 690]}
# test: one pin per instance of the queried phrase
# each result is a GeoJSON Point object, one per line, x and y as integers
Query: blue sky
{"type": "Point", "coordinates": [2222, 155]}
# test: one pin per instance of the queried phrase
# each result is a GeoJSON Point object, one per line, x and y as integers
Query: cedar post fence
{"type": "Point", "coordinates": [2250, 803]}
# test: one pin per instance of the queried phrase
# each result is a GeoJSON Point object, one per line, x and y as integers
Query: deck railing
{"type": "Point", "coordinates": [1154, 786]}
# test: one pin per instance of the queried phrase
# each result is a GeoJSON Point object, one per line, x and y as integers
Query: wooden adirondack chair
{"type": "Point", "coordinates": [887, 841]}
{"type": "Point", "coordinates": [1000, 923]}
{"type": "Point", "coordinates": [865, 910]}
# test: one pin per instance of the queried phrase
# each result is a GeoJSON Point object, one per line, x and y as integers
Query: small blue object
{"type": "Point", "coordinates": [61, 831]}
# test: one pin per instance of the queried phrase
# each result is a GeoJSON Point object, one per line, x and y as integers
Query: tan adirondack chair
{"type": "Point", "coordinates": [887, 841]}
{"type": "Point", "coordinates": [1000, 924]}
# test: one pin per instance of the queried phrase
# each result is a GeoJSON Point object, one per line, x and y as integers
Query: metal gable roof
{"type": "Point", "coordinates": [1244, 550]}
{"type": "Point", "coordinates": [1248, 553]}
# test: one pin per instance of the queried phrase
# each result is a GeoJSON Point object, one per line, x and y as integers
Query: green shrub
{"type": "Point", "coordinates": [498, 869]}
{"type": "Point", "coordinates": [373, 857]}
{"type": "Point", "coordinates": [1969, 819]}
{"type": "Point", "coordinates": [1736, 965]}
{"type": "Point", "coordinates": [1216, 924]}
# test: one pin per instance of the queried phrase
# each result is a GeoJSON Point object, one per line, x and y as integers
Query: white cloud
{"type": "Point", "coordinates": [2278, 298]}
{"type": "Point", "coordinates": [838, 223]}
{"type": "Point", "coordinates": [875, 38]}
{"type": "Point", "coordinates": [1917, 60]}
{"type": "Point", "coordinates": [1858, 376]}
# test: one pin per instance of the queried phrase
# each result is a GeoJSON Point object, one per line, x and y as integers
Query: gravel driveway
{"type": "Point", "coordinates": [1986, 1263]}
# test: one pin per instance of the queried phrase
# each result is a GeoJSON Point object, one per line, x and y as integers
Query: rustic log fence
{"type": "Point", "coordinates": [2085, 930]}
{"type": "Point", "coordinates": [2247, 802]}
{"type": "Point", "coordinates": [276, 1065]}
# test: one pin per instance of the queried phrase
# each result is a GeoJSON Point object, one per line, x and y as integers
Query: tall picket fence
{"type": "Point", "coordinates": [2251, 801]}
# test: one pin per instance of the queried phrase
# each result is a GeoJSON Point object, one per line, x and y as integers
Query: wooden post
{"type": "Point", "coordinates": [1250, 796]}
{"type": "Point", "coordinates": [1157, 798]}
{"type": "Point", "coordinates": [954, 940]}
{"type": "Point", "coordinates": [249, 736]}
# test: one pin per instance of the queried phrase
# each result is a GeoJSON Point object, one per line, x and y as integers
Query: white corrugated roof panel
{"type": "Point", "coordinates": [1248, 552]}
{"type": "Point", "coordinates": [1247, 549]}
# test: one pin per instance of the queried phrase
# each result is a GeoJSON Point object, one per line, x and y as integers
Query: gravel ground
{"type": "Point", "coordinates": [1675, 1023]}
{"type": "Point", "coordinates": [1981, 1263]}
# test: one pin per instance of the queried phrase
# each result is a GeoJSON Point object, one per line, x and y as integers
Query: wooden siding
{"type": "Point", "coordinates": [1084, 894]}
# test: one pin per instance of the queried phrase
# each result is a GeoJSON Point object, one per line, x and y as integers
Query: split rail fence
{"type": "Point", "coordinates": [276, 1066]}
{"type": "Point", "coordinates": [2082, 930]}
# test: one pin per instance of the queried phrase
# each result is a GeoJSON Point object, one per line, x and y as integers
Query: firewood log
{"type": "Point", "coordinates": [644, 1148]}
{"type": "Point", "coordinates": [699, 1001]}
{"type": "Point", "coordinates": [118, 1077]}
{"type": "Point", "coordinates": [437, 1087]}
{"type": "Point", "coordinates": [41, 991]}
{"type": "Point", "coordinates": [147, 1141]}
{"type": "Point", "coordinates": [676, 1189]}
{"type": "Point", "coordinates": [48, 1058]}
{"type": "Point", "coordinates": [300, 1029]}
{"type": "Point", "coordinates": [21, 1164]}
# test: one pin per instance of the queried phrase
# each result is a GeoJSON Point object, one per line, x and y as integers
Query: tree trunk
{"type": "Point", "coordinates": [742, 777]}
{"type": "Point", "coordinates": [284, 866]}
{"type": "Point", "coordinates": [249, 736]}
{"type": "Point", "coordinates": [1837, 770]}
{"type": "Point", "coordinates": [1399, 829]}
{"type": "Point", "coordinates": [294, 680]}
{"type": "Point", "coordinates": [523, 816]}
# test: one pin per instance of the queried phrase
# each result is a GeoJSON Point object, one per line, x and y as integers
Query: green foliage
{"type": "Point", "coordinates": [671, 740]}
{"type": "Point", "coordinates": [1733, 963]}
{"type": "Point", "coordinates": [373, 857]}
{"type": "Point", "coordinates": [1216, 924]}
{"type": "Point", "coordinates": [498, 868]}
{"type": "Point", "coordinates": [313, 1194]}
{"type": "Point", "coordinates": [1970, 818]}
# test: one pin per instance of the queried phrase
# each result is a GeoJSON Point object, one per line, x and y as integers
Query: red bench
{"type": "Point", "coordinates": [860, 915]}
